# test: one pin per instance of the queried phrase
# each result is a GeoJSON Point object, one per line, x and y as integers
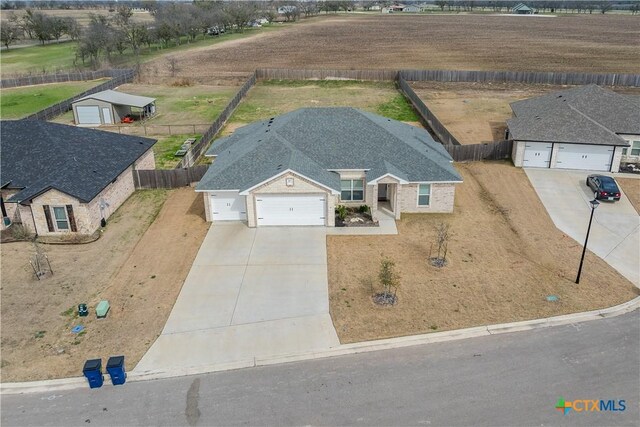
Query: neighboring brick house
{"type": "Point", "coordinates": [63, 179]}
{"type": "Point", "coordinates": [295, 168]}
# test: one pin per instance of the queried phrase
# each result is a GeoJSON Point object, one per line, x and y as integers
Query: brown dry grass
{"type": "Point", "coordinates": [631, 189]}
{"type": "Point", "coordinates": [505, 257]}
{"type": "Point", "coordinates": [593, 43]}
{"type": "Point", "coordinates": [131, 268]}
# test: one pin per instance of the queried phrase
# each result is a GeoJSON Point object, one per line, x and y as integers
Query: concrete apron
{"type": "Point", "coordinates": [251, 293]}
{"type": "Point", "coordinates": [615, 232]}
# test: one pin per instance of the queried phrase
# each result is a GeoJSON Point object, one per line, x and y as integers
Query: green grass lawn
{"type": "Point", "coordinates": [275, 97]}
{"type": "Point", "coordinates": [166, 147]}
{"type": "Point", "coordinates": [19, 102]}
{"type": "Point", "coordinates": [60, 56]}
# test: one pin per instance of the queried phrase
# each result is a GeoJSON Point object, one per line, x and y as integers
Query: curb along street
{"type": "Point", "coordinates": [345, 349]}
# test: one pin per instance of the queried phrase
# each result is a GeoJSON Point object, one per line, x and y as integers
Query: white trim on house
{"type": "Point", "coordinates": [211, 191]}
{"type": "Point", "coordinates": [389, 175]}
{"type": "Point", "coordinates": [248, 190]}
{"type": "Point", "coordinates": [435, 182]}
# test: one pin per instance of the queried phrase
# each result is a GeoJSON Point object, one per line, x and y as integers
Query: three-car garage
{"type": "Point", "coordinates": [567, 156]}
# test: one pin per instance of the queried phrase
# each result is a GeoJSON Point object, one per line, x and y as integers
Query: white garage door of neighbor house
{"type": "Point", "coordinates": [298, 209]}
{"type": "Point", "coordinates": [88, 115]}
{"type": "Point", "coordinates": [228, 206]}
{"type": "Point", "coordinates": [582, 156]}
{"type": "Point", "coordinates": [537, 154]}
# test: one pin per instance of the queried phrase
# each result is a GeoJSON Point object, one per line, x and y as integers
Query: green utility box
{"type": "Point", "coordinates": [102, 308]}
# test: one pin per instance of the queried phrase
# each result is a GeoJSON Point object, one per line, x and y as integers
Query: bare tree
{"type": "Point", "coordinates": [173, 65]}
{"type": "Point", "coordinates": [443, 235]}
{"type": "Point", "coordinates": [390, 281]}
{"type": "Point", "coordinates": [9, 33]}
{"type": "Point", "coordinates": [241, 13]}
{"type": "Point", "coordinates": [605, 6]}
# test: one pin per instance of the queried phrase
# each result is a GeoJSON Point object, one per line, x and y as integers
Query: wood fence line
{"type": "Point", "coordinates": [301, 74]}
{"type": "Point", "coordinates": [153, 129]}
{"type": "Point", "coordinates": [168, 178]}
{"type": "Point", "coordinates": [39, 79]}
{"type": "Point", "coordinates": [534, 77]}
{"type": "Point", "coordinates": [430, 119]}
{"type": "Point", "coordinates": [64, 106]}
{"type": "Point", "coordinates": [475, 152]}
{"type": "Point", "coordinates": [198, 149]}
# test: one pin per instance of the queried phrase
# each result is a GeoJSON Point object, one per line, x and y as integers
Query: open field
{"type": "Point", "coordinates": [22, 101]}
{"type": "Point", "coordinates": [274, 97]}
{"type": "Point", "coordinates": [505, 257]}
{"type": "Point", "coordinates": [129, 266]}
{"type": "Point", "coordinates": [631, 189]}
{"type": "Point", "coordinates": [477, 112]}
{"type": "Point", "coordinates": [586, 43]}
{"type": "Point", "coordinates": [53, 57]}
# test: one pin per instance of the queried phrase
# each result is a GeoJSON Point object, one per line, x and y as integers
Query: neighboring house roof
{"type": "Point", "coordinates": [315, 141]}
{"type": "Point", "coordinates": [37, 156]}
{"type": "Point", "coordinates": [521, 7]}
{"type": "Point", "coordinates": [584, 115]}
{"type": "Point", "coordinates": [120, 98]}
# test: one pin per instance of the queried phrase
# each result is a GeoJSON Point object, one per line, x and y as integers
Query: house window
{"type": "Point", "coordinates": [635, 148]}
{"type": "Point", "coordinates": [352, 189]}
{"type": "Point", "coordinates": [424, 194]}
{"type": "Point", "coordinates": [62, 221]}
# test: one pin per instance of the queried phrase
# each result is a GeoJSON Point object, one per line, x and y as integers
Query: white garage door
{"type": "Point", "coordinates": [586, 157]}
{"type": "Point", "coordinates": [537, 154]}
{"type": "Point", "coordinates": [298, 209]}
{"type": "Point", "coordinates": [227, 206]}
{"type": "Point", "coordinates": [88, 115]}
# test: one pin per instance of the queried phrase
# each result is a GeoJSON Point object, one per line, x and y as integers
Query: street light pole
{"type": "Point", "coordinates": [594, 204]}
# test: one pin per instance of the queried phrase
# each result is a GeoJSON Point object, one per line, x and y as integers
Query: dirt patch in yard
{"type": "Point", "coordinates": [139, 268]}
{"type": "Point", "coordinates": [477, 112]}
{"type": "Point", "coordinates": [631, 189]}
{"type": "Point", "coordinates": [504, 259]}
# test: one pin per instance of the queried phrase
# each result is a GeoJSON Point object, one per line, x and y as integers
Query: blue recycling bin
{"type": "Point", "coordinates": [115, 367]}
{"type": "Point", "coordinates": [93, 371]}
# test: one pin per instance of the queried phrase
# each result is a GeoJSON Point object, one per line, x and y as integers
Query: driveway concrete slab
{"type": "Point", "coordinates": [283, 291]}
{"type": "Point", "coordinates": [194, 309]}
{"type": "Point", "coordinates": [238, 241]}
{"type": "Point", "coordinates": [251, 293]}
{"type": "Point", "coordinates": [239, 343]}
{"type": "Point", "coordinates": [290, 246]}
{"type": "Point", "coordinates": [615, 230]}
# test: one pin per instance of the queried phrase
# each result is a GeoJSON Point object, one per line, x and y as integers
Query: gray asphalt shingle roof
{"type": "Point", "coordinates": [36, 156]}
{"type": "Point", "coordinates": [313, 141]}
{"type": "Point", "coordinates": [584, 115]}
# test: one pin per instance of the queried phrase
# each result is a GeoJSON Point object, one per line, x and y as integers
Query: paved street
{"type": "Point", "coordinates": [250, 293]}
{"type": "Point", "coordinates": [511, 379]}
{"type": "Point", "coordinates": [615, 232]}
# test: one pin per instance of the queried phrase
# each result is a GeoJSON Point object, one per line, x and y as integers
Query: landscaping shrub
{"type": "Point", "coordinates": [341, 211]}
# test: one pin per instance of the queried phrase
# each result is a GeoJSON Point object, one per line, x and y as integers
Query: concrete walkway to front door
{"type": "Point", "coordinates": [250, 293]}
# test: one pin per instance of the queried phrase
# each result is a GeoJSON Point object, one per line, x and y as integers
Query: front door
{"type": "Point", "coordinates": [382, 192]}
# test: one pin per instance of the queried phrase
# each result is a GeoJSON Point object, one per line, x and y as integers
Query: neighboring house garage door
{"type": "Point", "coordinates": [227, 206]}
{"type": "Point", "coordinates": [88, 115]}
{"type": "Point", "coordinates": [537, 154]}
{"type": "Point", "coordinates": [294, 209]}
{"type": "Point", "coordinates": [582, 156]}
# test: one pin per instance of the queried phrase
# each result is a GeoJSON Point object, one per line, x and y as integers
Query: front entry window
{"type": "Point", "coordinates": [60, 214]}
{"type": "Point", "coordinates": [352, 189]}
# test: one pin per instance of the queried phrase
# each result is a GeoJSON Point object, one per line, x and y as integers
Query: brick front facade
{"type": "Point", "coordinates": [87, 215]}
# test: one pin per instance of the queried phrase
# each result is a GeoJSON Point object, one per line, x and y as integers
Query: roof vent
{"type": "Point", "coordinates": [279, 167]}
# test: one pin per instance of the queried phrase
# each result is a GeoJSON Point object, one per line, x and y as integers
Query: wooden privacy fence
{"type": "Point", "coordinates": [287, 74]}
{"type": "Point", "coordinates": [534, 77]}
{"type": "Point", "coordinates": [40, 79]}
{"type": "Point", "coordinates": [198, 149]}
{"type": "Point", "coordinates": [64, 106]}
{"type": "Point", "coordinates": [474, 152]}
{"type": "Point", "coordinates": [153, 129]}
{"type": "Point", "coordinates": [168, 178]}
{"type": "Point", "coordinates": [428, 117]}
